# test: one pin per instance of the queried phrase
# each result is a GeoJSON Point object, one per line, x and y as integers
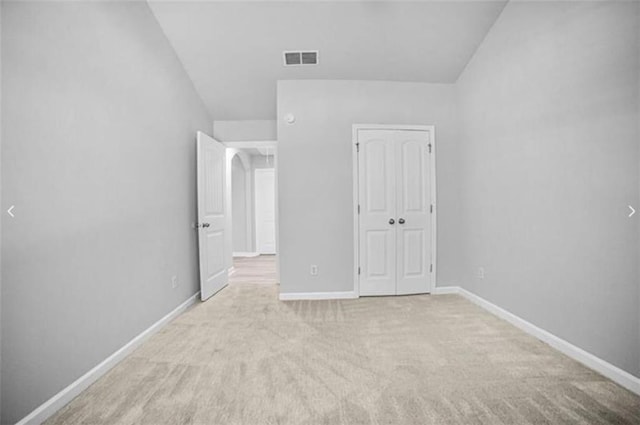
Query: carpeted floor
{"type": "Point", "coordinates": [243, 357]}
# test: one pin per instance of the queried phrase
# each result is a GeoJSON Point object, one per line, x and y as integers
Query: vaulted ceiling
{"type": "Point", "coordinates": [233, 50]}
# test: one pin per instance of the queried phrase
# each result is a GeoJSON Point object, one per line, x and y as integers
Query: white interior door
{"type": "Point", "coordinates": [376, 176]}
{"type": "Point", "coordinates": [394, 220]}
{"type": "Point", "coordinates": [211, 158]}
{"type": "Point", "coordinates": [413, 202]}
{"type": "Point", "coordinates": [265, 208]}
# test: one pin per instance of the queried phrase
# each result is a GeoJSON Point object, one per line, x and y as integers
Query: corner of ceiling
{"type": "Point", "coordinates": [472, 55]}
{"type": "Point", "coordinates": [175, 52]}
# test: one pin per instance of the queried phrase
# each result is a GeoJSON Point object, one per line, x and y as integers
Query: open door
{"type": "Point", "coordinates": [211, 215]}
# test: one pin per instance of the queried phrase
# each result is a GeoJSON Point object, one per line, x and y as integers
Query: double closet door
{"type": "Point", "coordinates": [395, 211]}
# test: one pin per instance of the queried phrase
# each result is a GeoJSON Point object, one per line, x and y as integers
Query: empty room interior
{"type": "Point", "coordinates": [320, 212]}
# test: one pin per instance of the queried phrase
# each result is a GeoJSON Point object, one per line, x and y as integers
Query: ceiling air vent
{"type": "Point", "coordinates": [301, 58]}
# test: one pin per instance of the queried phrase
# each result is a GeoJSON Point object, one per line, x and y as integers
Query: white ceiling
{"type": "Point", "coordinates": [233, 50]}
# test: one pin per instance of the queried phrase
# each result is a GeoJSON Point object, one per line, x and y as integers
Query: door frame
{"type": "Point", "coordinates": [265, 144]}
{"type": "Point", "coordinates": [356, 201]}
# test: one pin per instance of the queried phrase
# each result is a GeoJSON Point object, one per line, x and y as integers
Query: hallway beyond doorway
{"type": "Point", "coordinates": [260, 269]}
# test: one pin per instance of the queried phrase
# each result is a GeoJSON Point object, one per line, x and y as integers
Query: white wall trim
{"type": "Point", "coordinates": [443, 290]}
{"type": "Point", "coordinates": [356, 216]}
{"type": "Point", "coordinates": [290, 296]}
{"type": "Point", "coordinates": [58, 401]}
{"type": "Point", "coordinates": [434, 213]}
{"type": "Point", "coordinates": [55, 403]}
{"type": "Point", "coordinates": [276, 167]}
{"type": "Point", "coordinates": [617, 375]}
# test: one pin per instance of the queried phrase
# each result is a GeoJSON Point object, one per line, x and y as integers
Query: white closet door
{"type": "Point", "coordinates": [394, 195]}
{"type": "Point", "coordinates": [413, 202]}
{"type": "Point", "coordinates": [377, 217]}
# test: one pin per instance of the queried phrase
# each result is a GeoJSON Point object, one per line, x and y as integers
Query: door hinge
{"type": "Point", "coordinates": [429, 147]}
{"type": "Point", "coordinates": [431, 269]}
{"type": "Point", "coordinates": [358, 270]}
{"type": "Point", "coordinates": [431, 208]}
{"type": "Point", "coordinates": [358, 208]}
{"type": "Point", "coordinates": [357, 147]}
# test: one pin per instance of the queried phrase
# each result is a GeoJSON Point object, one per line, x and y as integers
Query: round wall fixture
{"type": "Point", "coordinates": [290, 118]}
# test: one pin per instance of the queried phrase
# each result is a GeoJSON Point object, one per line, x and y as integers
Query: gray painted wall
{"type": "Point", "coordinates": [549, 163]}
{"type": "Point", "coordinates": [245, 130]}
{"type": "Point", "coordinates": [98, 155]}
{"type": "Point", "coordinates": [315, 166]}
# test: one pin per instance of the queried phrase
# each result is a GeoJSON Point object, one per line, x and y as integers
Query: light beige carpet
{"type": "Point", "coordinates": [243, 357]}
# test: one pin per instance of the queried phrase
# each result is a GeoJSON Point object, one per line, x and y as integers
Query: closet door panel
{"type": "Point", "coordinates": [377, 198]}
{"type": "Point", "coordinates": [413, 202]}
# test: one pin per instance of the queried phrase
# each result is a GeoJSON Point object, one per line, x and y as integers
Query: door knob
{"type": "Point", "coordinates": [401, 221]}
{"type": "Point", "coordinates": [392, 221]}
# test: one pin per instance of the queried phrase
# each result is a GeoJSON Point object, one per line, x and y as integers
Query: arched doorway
{"type": "Point", "coordinates": [241, 205]}
{"type": "Point", "coordinates": [252, 212]}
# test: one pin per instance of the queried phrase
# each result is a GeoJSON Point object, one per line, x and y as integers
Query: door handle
{"type": "Point", "coordinates": [392, 221]}
{"type": "Point", "coordinates": [199, 225]}
{"type": "Point", "coordinates": [401, 221]}
{"type": "Point", "coordinates": [205, 225]}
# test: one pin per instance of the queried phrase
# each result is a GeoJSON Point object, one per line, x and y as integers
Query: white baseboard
{"type": "Point", "coordinates": [231, 271]}
{"type": "Point", "coordinates": [290, 296]}
{"type": "Point", "coordinates": [246, 254]}
{"type": "Point", "coordinates": [442, 290]}
{"type": "Point", "coordinates": [55, 403]}
{"type": "Point", "coordinates": [617, 375]}
{"type": "Point", "coordinates": [58, 401]}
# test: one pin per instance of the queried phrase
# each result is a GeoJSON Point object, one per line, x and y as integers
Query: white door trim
{"type": "Point", "coordinates": [356, 220]}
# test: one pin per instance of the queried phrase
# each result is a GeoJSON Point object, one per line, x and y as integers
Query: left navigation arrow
{"type": "Point", "coordinates": [10, 210]}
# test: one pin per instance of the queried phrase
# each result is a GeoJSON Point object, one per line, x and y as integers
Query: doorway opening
{"type": "Point", "coordinates": [253, 211]}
